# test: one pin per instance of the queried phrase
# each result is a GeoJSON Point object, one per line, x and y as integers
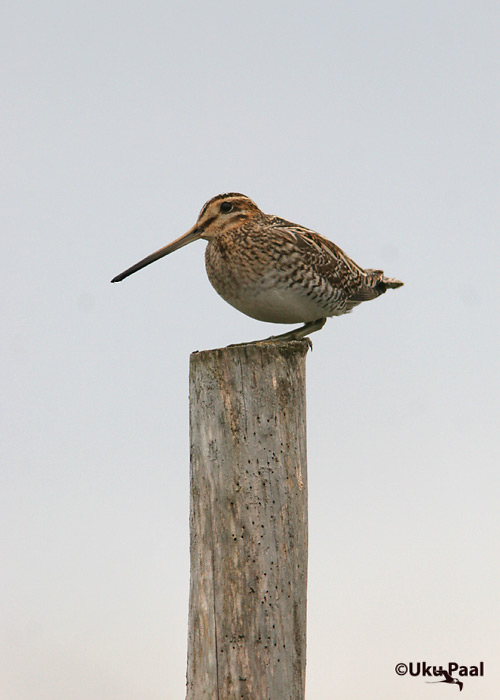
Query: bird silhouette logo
{"type": "Point", "coordinates": [448, 678]}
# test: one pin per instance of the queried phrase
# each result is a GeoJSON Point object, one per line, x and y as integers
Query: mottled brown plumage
{"type": "Point", "coordinates": [274, 270]}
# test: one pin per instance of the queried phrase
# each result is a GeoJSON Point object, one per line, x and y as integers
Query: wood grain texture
{"type": "Point", "coordinates": [248, 523]}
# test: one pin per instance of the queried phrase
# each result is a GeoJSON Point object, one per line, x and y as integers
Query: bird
{"type": "Point", "coordinates": [448, 678]}
{"type": "Point", "coordinates": [272, 269]}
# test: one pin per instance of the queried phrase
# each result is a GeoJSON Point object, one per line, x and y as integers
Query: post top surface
{"type": "Point", "coordinates": [285, 348]}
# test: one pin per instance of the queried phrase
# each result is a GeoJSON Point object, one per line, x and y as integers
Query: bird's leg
{"type": "Point", "coordinates": [298, 333]}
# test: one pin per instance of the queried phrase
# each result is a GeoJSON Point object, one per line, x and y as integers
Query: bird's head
{"type": "Point", "coordinates": [224, 212]}
{"type": "Point", "coordinates": [219, 215]}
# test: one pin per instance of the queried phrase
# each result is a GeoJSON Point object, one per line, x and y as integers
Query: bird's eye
{"type": "Point", "coordinates": [226, 207]}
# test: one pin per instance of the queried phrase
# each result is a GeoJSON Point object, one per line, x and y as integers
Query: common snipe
{"type": "Point", "coordinates": [273, 270]}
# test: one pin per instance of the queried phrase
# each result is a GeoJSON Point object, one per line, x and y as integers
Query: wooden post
{"type": "Point", "coordinates": [248, 523]}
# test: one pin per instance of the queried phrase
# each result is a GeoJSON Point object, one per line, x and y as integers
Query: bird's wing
{"type": "Point", "coordinates": [323, 251]}
{"type": "Point", "coordinates": [331, 262]}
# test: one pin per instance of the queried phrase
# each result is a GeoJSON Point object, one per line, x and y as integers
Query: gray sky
{"type": "Point", "coordinates": [375, 124]}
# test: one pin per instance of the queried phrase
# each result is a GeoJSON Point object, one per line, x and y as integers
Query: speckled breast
{"type": "Point", "coordinates": [267, 282]}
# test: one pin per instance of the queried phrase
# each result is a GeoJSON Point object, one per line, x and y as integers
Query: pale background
{"type": "Point", "coordinates": [374, 123]}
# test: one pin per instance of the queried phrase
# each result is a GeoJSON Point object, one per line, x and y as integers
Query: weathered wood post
{"type": "Point", "coordinates": [248, 523]}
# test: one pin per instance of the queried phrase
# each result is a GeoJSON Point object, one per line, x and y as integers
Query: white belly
{"type": "Point", "coordinates": [277, 305]}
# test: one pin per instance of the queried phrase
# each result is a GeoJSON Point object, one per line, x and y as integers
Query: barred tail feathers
{"type": "Point", "coordinates": [391, 283]}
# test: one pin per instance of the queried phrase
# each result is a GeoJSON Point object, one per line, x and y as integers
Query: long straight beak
{"type": "Point", "coordinates": [192, 235]}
